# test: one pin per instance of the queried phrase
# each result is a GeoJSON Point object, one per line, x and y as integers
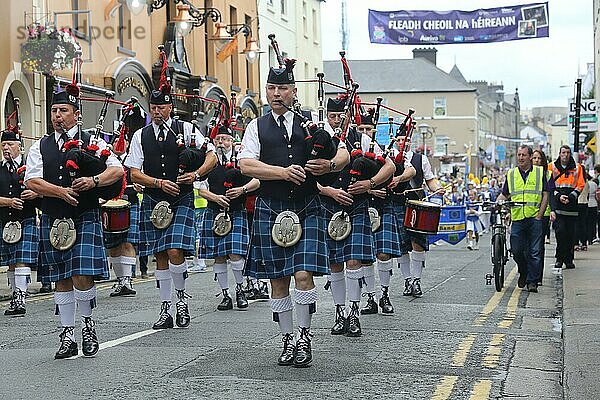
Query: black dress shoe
{"type": "Point", "coordinates": [385, 302]}
{"type": "Point", "coordinates": [89, 344]}
{"type": "Point", "coordinates": [46, 288]}
{"type": "Point", "coordinates": [371, 306]}
{"type": "Point", "coordinates": [303, 356]}
{"type": "Point", "coordinates": [558, 264]}
{"type": "Point", "coordinates": [339, 327]}
{"type": "Point", "coordinates": [569, 265]}
{"type": "Point", "coordinates": [353, 329]}
{"type": "Point", "coordinates": [165, 320]}
{"type": "Point", "coordinates": [68, 348]}
{"type": "Point", "coordinates": [240, 297]}
{"type": "Point", "coordinates": [407, 287]}
{"type": "Point", "coordinates": [226, 303]}
{"type": "Point", "coordinates": [182, 317]}
{"type": "Point", "coordinates": [123, 288]}
{"type": "Point", "coordinates": [263, 291]}
{"type": "Point", "coordinates": [522, 280]}
{"type": "Point", "coordinates": [416, 287]}
{"type": "Point", "coordinates": [287, 355]}
{"type": "Point", "coordinates": [17, 304]}
{"type": "Point", "coordinates": [532, 287]}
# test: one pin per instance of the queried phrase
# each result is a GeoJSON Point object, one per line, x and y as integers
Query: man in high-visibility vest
{"type": "Point", "coordinates": [568, 183]}
{"type": "Point", "coordinates": [526, 183]}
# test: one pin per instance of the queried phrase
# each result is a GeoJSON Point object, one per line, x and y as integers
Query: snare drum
{"type": "Point", "coordinates": [115, 216]}
{"type": "Point", "coordinates": [422, 217]}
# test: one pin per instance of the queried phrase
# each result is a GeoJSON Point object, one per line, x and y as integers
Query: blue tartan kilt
{"type": "Point", "coordinates": [387, 237]}
{"type": "Point", "coordinates": [236, 242]}
{"type": "Point", "coordinates": [198, 222]}
{"type": "Point", "coordinates": [178, 235]}
{"type": "Point", "coordinates": [112, 240]}
{"type": "Point", "coordinates": [360, 244]}
{"type": "Point", "coordinates": [267, 260]}
{"type": "Point", "coordinates": [26, 250]}
{"type": "Point", "coordinates": [86, 257]}
{"type": "Point", "coordinates": [407, 237]}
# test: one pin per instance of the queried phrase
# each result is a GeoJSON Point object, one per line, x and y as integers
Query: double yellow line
{"type": "Point", "coordinates": [481, 389]}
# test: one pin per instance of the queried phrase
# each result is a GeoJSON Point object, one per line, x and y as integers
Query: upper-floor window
{"type": "Point", "coordinates": [284, 9]}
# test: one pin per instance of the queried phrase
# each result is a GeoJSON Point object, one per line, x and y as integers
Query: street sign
{"type": "Point", "coordinates": [592, 144]}
{"type": "Point", "coordinates": [589, 118]}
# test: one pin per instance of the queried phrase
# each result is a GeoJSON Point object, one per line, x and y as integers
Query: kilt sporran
{"type": "Point", "coordinates": [12, 232]}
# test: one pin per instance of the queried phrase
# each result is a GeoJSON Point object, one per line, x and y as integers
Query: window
{"type": "Point", "coordinates": [124, 31]}
{"type": "Point", "coordinates": [315, 22]}
{"type": "Point", "coordinates": [284, 10]}
{"type": "Point", "coordinates": [304, 20]}
{"type": "Point", "coordinates": [270, 3]}
{"type": "Point", "coordinates": [80, 20]}
{"type": "Point", "coordinates": [439, 107]}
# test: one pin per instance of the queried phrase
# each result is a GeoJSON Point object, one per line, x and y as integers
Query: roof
{"type": "Point", "coordinates": [456, 74]}
{"type": "Point", "coordinates": [414, 75]}
{"type": "Point", "coordinates": [561, 122]}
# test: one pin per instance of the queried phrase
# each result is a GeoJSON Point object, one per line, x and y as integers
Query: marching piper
{"type": "Point", "coordinates": [226, 204]}
{"type": "Point", "coordinates": [20, 234]}
{"type": "Point", "coordinates": [289, 229]}
{"type": "Point", "coordinates": [167, 210]}
{"type": "Point", "coordinates": [71, 244]}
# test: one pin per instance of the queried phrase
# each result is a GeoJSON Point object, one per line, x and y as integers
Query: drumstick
{"type": "Point", "coordinates": [436, 191]}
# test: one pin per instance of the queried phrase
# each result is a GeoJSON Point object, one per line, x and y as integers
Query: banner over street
{"type": "Point", "coordinates": [446, 27]}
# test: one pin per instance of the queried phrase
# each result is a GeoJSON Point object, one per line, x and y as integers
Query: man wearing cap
{"type": "Point", "coordinates": [73, 205]}
{"type": "Point", "coordinates": [359, 246]}
{"type": "Point", "coordinates": [154, 163]}
{"type": "Point", "coordinates": [274, 151]}
{"type": "Point", "coordinates": [231, 248]}
{"type": "Point", "coordinates": [20, 236]}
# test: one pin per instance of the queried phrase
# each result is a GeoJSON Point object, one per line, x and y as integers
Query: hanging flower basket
{"type": "Point", "coordinates": [48, 49]}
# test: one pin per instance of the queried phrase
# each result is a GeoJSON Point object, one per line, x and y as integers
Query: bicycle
{"type": "Point", "coordinates": [499, 249]}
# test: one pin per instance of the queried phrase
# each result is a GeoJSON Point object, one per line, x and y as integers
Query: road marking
{"type": "Point", "coordinates": [481, 390]}
{"type": "Point", "coordinates": [495, 300]}
{"type": "Point", "coordinates": [511, 309]}
{"type": "Point", "coordinates": [494, 350]}
{"type": "Point", "coordinates": [124, 339]}
{"type": "Point", "coordinates": [460, 357]}
{"type": "Point", "coordinates": [444, 388]}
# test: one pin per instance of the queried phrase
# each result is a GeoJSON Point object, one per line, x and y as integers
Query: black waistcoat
{"type": "Point", "coordinates": [343, 178]}
{"type": "Point", "coordinates": [417, 162]}
{"type": "Point", "coordinates": [161, 160]}
{"type": "Point", "coordinates": [216, 180]}
{"type": "Point", "coordinates": [55, 172]}
{"type": "Point", "coordinates": [276, 149]}
{"type": "Point", "coordinates": [10, 187]}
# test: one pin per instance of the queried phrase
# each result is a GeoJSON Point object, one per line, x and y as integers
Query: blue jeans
{"type": "Point", "coordinates": [525, 241]}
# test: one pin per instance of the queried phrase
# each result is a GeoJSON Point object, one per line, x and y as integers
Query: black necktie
{"type": "Point", "coordinates": [64, 138]}
{"type": "Point", "coordinates": [224, 159]}
{"type": "Point", "coordinates": [282, 127]}
{"type": "Point", "coordinates": [161, 133]}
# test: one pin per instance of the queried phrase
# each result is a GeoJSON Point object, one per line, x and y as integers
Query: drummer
{"type": "Point", "coordinates": [359, 246]}
{"type": "Point", "coordinates": [121, 246]}
{"type": "Point", "coordinates": [412, 261]}
{"type": "Point", "coordinates": [231, 248]}
{"type": "Point", "coordinates": [389, 235]}
{"type": "Point", "coordinates": [154, 163]}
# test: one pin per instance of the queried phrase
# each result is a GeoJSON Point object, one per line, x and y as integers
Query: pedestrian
{"type": "Point", "coordinates": [592, 211]}
{"type": "Point", "coordinates": [539, 159]}
{"type": "Point", "coordinates": [154, 162]}
{"type": "Point", "coordinates": [200, 203]}
{"type": "Point", "coordinates": [569, 183]}
{"type": "Point", "coordinates": [70, 207]}
{"type": "Point", "coordinates": [527, 183]}
{"type": "Point", "coordinates": [274, 151]}
{"type": "Point", "coordinates": [20, 234]}
{"type": "Point", "coordinates": [582, 215]}
{"type": "Point", "coordinates": [474, 224]}
{"type": "Point", "coordinates": [226, 199]}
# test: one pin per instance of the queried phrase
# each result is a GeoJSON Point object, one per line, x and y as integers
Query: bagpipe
{"type": "Point", "coordinates": [84, 161]}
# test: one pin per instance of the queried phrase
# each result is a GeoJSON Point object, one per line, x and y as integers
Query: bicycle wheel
{"type": "Point", "coordinates": [498, 260]}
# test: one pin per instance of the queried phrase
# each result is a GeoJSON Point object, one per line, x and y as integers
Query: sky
{"type": "Point", "coordinates": [544, 69]}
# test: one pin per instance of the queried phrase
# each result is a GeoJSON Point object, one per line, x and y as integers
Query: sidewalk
{"type": "Point", "coordinates": [581, 326]}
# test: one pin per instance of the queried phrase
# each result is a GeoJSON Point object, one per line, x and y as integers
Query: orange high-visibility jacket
{"type": "Point", "coordinates": [570, 183]}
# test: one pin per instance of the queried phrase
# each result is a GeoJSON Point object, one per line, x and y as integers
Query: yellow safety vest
{"type": "Point", "coordinates": [529, 192]}
{"type": "Point", "coordinates": [199, 201]}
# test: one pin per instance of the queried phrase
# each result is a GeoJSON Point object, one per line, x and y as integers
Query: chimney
{"type": "Point", "coordinates": [427, 53]}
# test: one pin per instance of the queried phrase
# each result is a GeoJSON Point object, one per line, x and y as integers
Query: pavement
{"type": "Point", "coordinates": [461, 340]}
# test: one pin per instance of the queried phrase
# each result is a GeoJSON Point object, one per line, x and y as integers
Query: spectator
{"type": "Point", "coordinates": [539, 159]}
{"type": "Point", "coordinates": [592, 211]}
{"type": "Point", "coordinates": [582, 208]}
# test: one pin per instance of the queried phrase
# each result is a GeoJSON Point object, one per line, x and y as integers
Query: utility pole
{"type": "Point", "coordinates": [577, 118]}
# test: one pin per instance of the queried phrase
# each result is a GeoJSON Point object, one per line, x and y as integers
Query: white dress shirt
{"type": "Point", "coordinates": [251, 144]}
{"type": "Point", "coordinates": [35, 165]}
{"type": "Point", "coordinates": [16, 160]}
{"type": "Point", "coordinates": [135, 158]}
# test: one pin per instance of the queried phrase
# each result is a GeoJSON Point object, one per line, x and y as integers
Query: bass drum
{"type": "Point", "coordinates": [115, 216]}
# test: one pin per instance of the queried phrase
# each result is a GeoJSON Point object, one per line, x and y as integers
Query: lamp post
{"type": "Point", "coordinates": [425, 131]}
{"type": "Point", "coordinates": [188, 16]}
{"type": "Point", "coordinates": [224, 34]}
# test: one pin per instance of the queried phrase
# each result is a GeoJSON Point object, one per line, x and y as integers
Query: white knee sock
{"type": "Point", "coordinates": [337, 284]}
{"type": "Point", "coordinates": [11, 279]}
{"type": "Point", "coordinates": [178, 274]}
{"type": "Point", "coordinates": [306, 306]}
{"type": "Point", "coordinates": [127, 265]}
{"type": "Point", "coordinates": [369, 275]}
{"type": "Point", "coordinates": [22, 278]}
{"type": "Point", "coordinates": [237, 267]}
{"type": "Point", "coordinates": [65, 307]}
{"type": "Point", "coordinates": [404, 264]}
{"type": "Point", "coordinates": [417, 262]}
{"type": "Point", "coordinates": [353, 278]}
{"type": "Point", "coordinates": [163, 283]}
{"type": "Point", "coordinates": [115, 262]}
{"type": "Point", "coordinates": [86, 300]}
{"type": "Point", "coordinates": [283, 314]}
{"type": "Point", "coordinates": [385, 272]}
{"type": "Point", "coordinates": [220, 271]}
